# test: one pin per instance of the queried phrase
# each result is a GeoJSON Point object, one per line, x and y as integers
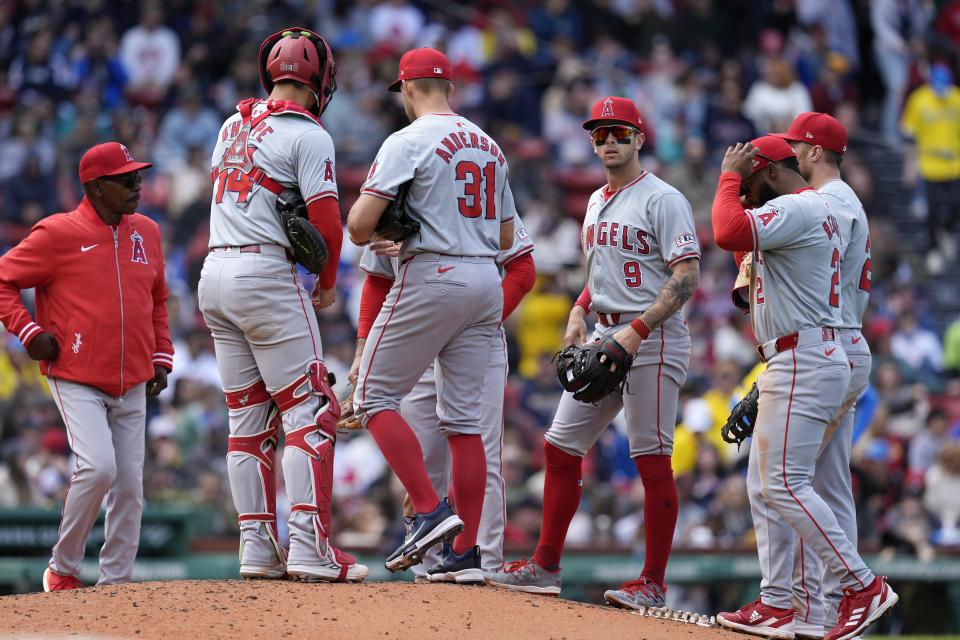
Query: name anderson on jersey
{"type": "Point", "coordinates": [458, 140]}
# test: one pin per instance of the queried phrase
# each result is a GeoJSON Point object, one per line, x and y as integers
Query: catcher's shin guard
{"type": "Point", "coordinates": [308, 470]}
{"type": "Point", "coordinates": [255, 429]}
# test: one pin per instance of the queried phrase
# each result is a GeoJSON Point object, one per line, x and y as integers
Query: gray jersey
{"type": "Point", "coordinates": [387, 267]}
{"type": "Point", "coordinates": [632, 239]}
{"type": "Point", "coordinates": [855, 267]}
{"type": "Point", "coordinates": [796, 265]}
{"type": "Point", "coordinates": [460, 192]}
{"type": "Point", "coordinates": [292, 148]}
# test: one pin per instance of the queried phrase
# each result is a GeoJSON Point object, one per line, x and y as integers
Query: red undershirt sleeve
{"type": "Point", "coordinates": [374, 292]}
{"type": "Point", "coordinates": [520, 276]}
{"type": "Point", "coordinates": [324, 214]}
{"type": "Point", "coordinates": [732, 228]}
{"type": "Point", "coordinates": [584, 300]}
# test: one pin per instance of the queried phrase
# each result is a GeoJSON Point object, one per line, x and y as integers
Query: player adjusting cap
{"type": "Point", "coordinates": [614, 110]}
{"type": "Point", "coordinates": [771, 149]}
{"type": "Point", "coordinates": [108, 159]}
{"type": "Point", "coordinates": [817, 128]}
{"type": "Point", "coordinates": [422, 63]}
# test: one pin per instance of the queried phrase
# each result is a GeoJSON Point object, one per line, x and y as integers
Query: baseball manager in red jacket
{"type": "Point", "coordinates": [102, 339]}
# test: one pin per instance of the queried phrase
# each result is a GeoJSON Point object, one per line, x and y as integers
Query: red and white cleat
{"type": "Point", "coordinates": [758, 619]}
{"type": "Point", "coordinates": [53, 581]}
{"type": "Point", "coordinates": [860, 609]}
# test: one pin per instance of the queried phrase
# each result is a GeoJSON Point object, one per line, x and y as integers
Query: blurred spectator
{"type": "Point", "coordinates": [931, 120]}
{"type": "Point", "coordinates": [725, 124]}
{"type": "Point", "coordinates": [395, 24]}
{"type": "Point", "coordinates": [951, 349]}
{"type": "Point", "coordinates": [41, 72]}
{"type": "Point", "coordinates": [189, 125]}
{"type": "Point", "coordinates": [942, 497]}
{"type": "Point", "coordinates": [898, 27]}
{"type": "Point", "coordinates": [774, 101]}
{"type": "Point", "coordinates": [915, 346]}
{"type": "Point", "coordinates": [150, 53]}
{"type": "Point", "coordinates": [927, 444]}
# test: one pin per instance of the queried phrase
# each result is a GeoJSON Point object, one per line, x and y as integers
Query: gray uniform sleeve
{"type": "Point", "coordinates": [508, 208]}
{"type": "Point", "coordinates": [377, 265]}
{"type": "Point", "coordinates": [315, 165]}
{"type": "Point", "coordinates": [673, 226]}
{"type": "Point", "coordinates": [395, 164]}
{"type": "Point", "coordinates": [522, 243]}
{"type": "Point", "coordinates": [779, 223]}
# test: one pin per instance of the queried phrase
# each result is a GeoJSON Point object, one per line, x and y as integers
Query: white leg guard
{"type": "Point", "coordinates": [309, 440]}
{"type": "Point", "coordinates": [254, 433]}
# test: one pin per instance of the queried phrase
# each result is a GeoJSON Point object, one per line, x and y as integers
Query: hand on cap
{"type": "Point", "coordinates": [739, 159]}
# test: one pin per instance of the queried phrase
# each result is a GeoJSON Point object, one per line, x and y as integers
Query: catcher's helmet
{"type": "Point", "coordinates": [299, 54]}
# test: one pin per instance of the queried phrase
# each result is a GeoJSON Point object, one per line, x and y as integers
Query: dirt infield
{"type": "Point", "coordinates": [196, 610]}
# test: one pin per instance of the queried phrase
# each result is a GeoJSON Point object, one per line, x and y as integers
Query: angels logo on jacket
{"type": "Point", "coordinates": [139, 255]}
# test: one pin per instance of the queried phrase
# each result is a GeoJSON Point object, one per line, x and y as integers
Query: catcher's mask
{"type": "Point", "coordinates": [301, 55]}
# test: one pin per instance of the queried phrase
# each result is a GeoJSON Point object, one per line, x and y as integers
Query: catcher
{"type": "Point", "coordinates": [643, 264]}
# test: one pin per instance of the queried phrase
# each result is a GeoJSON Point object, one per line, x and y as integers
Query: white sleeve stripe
{"type": "Point", "coordinates": [28, 331]}
{"type": "Point", "coordinates": [685, 256]}
{"type": "Point", "coordinates": [322, 194]}
{"type": "Point", "coordinates": [379, 194]}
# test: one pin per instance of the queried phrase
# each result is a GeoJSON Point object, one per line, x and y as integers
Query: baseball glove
{"type": "Point", "coordinates": [306, 243]}
{"type": "Point", "coordinates": [595, 371]}
{"type": "Point", "coordinates": [742, 419]}
{"type": "Point", "coordinates": [396, 223]}
{"type": "Point", "coordinates": [349, 421]}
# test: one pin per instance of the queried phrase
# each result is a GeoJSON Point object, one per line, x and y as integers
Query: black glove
{"type": "Point", "coordinates": [742, 419]}
{"type": "Point", "coordinates": [396, 223]}
{"type": "Point", "coordinates": [307, 245]}
{"type": "Point", "coordinates": [581, 371]}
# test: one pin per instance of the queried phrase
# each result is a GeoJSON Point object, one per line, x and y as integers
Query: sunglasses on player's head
{"type": "Point", "coordinates": [305, 34]}
{"type": "Point", "coordinates": [622, 133]}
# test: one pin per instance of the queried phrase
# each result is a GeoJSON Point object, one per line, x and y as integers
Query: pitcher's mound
{"type": "Point", "coordinates": [201, 609]}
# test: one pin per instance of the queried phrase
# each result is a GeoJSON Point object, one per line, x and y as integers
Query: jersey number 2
{"type": "Point", "coordinates": [471, 204]}
{"type": "Point", "coordinates": [835, 280]}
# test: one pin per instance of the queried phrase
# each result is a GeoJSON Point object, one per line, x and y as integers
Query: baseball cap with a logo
{"type": "Point", "coordinates": [819, 129]}
{"type": "Point", "coordinates": [422, 63]}
{"type": "Point", "coordinates": [770, 149]}
{"type": "Point", "coordinates": [613, 110]}
{"type": "Point", "coordinates": [108, 159]}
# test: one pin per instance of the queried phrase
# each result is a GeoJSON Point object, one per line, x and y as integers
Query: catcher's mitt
{"type": "Point", "coordinates": [742, 419]}
{"type": "Point", "coordinates": [595, 371]}
{"type": "Point", "coordinates": [349, 421]}
{"type": "Point", "coordinates": [396, 223]}
{"type": "Point", "coordinates": [306, 243]}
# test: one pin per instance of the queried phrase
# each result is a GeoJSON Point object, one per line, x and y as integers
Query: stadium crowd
{"type": "Point", "coordinates": [161, 78]}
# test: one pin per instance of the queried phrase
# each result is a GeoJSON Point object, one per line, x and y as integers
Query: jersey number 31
{"type": "Point", "coordinates": [471, 204]}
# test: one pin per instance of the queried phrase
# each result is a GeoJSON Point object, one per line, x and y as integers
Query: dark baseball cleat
{"type": "Point", "coordinates": [462, 569]}
{"type": "Point", "coordinates": [426, 530]}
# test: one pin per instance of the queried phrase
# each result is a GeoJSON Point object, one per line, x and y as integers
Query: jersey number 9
{"type": "Point", "coordinates": [471, 204]}
{"type": "Point", "coordinates": [631, 274]}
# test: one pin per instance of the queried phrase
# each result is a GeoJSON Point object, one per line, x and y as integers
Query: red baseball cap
{"type": "Point", "coordinates": [422, 63]}
{"type": "Point", "coordinates": [614, 110]}
{"type": "Point", "coordinates": [772, 149]}
{"type": "Point", "coordinates": [108, 159]}
{"type": "Point", "coordinates": [817, 128]}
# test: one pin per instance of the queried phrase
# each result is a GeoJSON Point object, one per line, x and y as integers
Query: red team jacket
{"type": "Point", "coordinates": [101, 292]}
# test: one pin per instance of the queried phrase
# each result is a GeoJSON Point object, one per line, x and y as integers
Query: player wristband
{"type": "Point", "coordinates": [640, 328]}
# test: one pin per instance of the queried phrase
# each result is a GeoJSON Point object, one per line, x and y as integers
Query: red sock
{"type": "Point", "coordinates": [659, 513]}
{"type": "Point", "coordinates": [469, 482]}
{"type": "Point", "coordinates": [561, 497]}
{"type": "Point", "coordinates": [400, 447]}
